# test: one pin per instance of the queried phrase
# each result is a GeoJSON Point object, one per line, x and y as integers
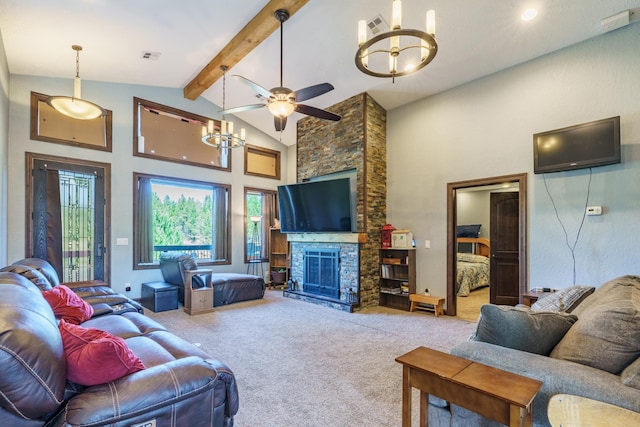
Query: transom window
{"type": "Point", "coordinates": [179, 215]}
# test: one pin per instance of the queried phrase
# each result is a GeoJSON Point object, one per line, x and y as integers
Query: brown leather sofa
{"type": "Point", "coordinates": [180, 385]}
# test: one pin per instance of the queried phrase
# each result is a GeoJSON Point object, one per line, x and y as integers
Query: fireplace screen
{"type": "Point", "coordinates": [321, 272]}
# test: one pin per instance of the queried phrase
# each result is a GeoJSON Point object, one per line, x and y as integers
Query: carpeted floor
{"type": "Point", "coordinates": [468, 308]}
{"type": "Point", "coordinates": [301, 364]}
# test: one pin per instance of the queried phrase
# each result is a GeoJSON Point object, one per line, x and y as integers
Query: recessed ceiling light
{"type": "Point", "coordinates": [529, 14]}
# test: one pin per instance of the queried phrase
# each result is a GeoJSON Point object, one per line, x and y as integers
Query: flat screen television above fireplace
{"type": "Point", "coordinates": [316, 207]}
{"type": "Point", "coordinates": [581, 146]}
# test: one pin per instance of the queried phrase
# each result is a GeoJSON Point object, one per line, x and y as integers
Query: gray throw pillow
{"type": "Point", "coordinates": [606, 337]}
{"type": "Point", "coordinates": [522, 329]}
{"type": "Point", "coordinates": [563, 299]}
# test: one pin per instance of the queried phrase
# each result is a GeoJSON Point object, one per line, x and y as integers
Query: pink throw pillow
{"type": "Point", "coordinates": [95, 356]}
{"type": "Point", "coordinates": [67, 305]}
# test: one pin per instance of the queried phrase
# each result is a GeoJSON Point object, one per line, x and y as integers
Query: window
{"type": "Point", "coordinates": [261, 211]}
{"type": "Point", "coordinates": [166, 133]}
{"type": "Point", "coordinates": [172, 214]}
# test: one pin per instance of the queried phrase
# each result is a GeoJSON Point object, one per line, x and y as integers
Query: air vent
{"type": "Point", "coordinates": [378, 25]}
{"type": "Point", "coordinates": [150, 55]}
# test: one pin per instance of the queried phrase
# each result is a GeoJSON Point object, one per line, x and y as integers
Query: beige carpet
{"type": "Point", "coordinates": [300, 364]}
{"type": "Point", "coordinates": [468, 308]}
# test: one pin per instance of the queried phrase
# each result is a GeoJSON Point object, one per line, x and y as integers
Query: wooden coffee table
{"type": "Point", "coordinates": [493, 393]}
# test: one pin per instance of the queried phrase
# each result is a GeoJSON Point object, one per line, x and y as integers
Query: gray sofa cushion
{"type": "Point", "coordinates": [631, 375]}
{"type": "Point", "coordinates": [522, 329]}
{"type": "Point", "coordinates": [564, 299]}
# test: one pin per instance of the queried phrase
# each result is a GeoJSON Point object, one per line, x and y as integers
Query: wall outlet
{"type": "Point", "coordinates": [594, 210]}
{"type": "Point", "coordinates": [127, 287]}
{"type": "Point", "coordinates": [427, 244]}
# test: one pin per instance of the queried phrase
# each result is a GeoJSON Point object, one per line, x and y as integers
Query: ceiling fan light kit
{"type": "Point", "coordinates": [419, 46]}
{"type": "Point", "coordinates": [76, 107]}
{"type": "Point", "coordinates": [282, 101]}
{"type": "Point", "coordinates": [225, 138]}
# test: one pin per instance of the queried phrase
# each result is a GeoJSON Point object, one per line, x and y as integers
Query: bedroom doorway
{"type": "Point", "coordinates": [457, 193]}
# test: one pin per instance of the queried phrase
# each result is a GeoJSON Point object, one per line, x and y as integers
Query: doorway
{"type": "Point", "coordinates": [520, 268]}
{"type": "Point", "coordinates": [68, 222]}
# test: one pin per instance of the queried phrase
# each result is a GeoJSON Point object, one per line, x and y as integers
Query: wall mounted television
{"type": "Point", "coordinates": [316, 207]}
{"type": "Point", "coordinates": [581, 146]}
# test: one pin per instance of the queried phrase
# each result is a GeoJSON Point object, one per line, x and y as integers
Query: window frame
{"type": "Point", "coordinates": [137, 264]}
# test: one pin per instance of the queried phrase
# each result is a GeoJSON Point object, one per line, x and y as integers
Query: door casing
{"type": "Point", "coordinates": [452, 215]}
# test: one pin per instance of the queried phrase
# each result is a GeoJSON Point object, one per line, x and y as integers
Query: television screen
{"type": "Point", "coordinates": [315, 207]}
{"type": "Point", "coordinates": [581, 146]}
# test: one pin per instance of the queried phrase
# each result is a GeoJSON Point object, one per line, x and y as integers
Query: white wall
{"type": "Point", "coordinates": [4, 150]}
{"type": "Point", "coordinates": [484, 129]}
{"type": "Point", "coordinates": [119, 99]}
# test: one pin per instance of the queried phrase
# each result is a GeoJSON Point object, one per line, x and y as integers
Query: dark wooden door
{"type": "Point", "coordinates": [504, 237]}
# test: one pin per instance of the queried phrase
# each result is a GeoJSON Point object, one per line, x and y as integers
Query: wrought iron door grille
{"type": "Point", "coordinates": [78, 231]}
{"type": "Point", "coordinates": [322, 272]}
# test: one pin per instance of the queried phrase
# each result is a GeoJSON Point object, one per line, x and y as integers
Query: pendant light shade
{"type": "Point", "coordinates": [75, 107]}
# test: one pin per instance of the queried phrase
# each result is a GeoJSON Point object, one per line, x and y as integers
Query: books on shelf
{"type": "Point", "coordinates": [394, 291]}
{"type": "Point", "coordinates": [391, 271]}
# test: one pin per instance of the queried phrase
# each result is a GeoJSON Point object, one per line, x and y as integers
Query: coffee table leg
{"type": "Point", "coordinates": [406, 396]}
{"type": "Point", "coordinates": [424, 408]}
{"type": "Point", "coordinates": [520, 417]}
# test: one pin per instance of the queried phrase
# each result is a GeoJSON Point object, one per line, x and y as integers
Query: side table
{"type": "Point", "coordinates": [493, 393]}
{"type": "Point", "coordinates": [198, 300]}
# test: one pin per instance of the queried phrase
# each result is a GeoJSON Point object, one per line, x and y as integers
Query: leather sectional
{"type": "Point", "coordinates": [180, 385]}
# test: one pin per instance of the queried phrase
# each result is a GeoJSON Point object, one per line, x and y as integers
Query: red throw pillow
{"type": "Point", "coordinates": [95, 356]}
{"type": "Point", "coordinates": [67, 305]}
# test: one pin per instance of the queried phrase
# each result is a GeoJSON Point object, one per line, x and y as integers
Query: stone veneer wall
{"type": "Point", "coordinates": [357, 141]}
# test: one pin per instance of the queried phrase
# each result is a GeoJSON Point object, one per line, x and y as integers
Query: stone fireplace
{"type": "Point", "coordinates": [334, 261]}
{"type": "Point", "coordinates": [355, 143]}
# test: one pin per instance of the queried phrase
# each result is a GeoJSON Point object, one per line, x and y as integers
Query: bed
{"type": "Point", "coordinates": [473, 266]}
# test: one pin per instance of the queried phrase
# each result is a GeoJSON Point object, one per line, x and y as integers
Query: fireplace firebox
{"type": "Point", "coordinates": [321, 272]}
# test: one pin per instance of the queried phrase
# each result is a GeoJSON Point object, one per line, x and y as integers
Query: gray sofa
{"type": "Point", "coordinates": [592, 352]}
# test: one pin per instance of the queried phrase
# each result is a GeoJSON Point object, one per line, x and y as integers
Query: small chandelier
{"type": "Point", "coordinates": [401, 42]}
{"type": "Point", "coordinates": [225, 138]}
{"type": "Point", "coordinates": [75, 107]}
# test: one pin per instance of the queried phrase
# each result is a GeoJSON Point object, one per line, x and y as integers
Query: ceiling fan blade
{"type": "Point", "coordinates": [316, 112]}
{"type": "Point", "coordinates": [242, 108]}
{"type": "Point", "coordinates": [312, 91]}
{"type": "Point", "coordinates": [280, 123]}
{"type": "Point", "coordinates": [255, 86]}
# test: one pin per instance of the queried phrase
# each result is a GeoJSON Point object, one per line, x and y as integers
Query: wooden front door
{"type": "Point", "coordinates": [505, 238]}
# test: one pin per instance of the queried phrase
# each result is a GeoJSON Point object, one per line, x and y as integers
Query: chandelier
{"type": "Point", "coordinates": [225, 138]}
{"type": "Point", "coordinates": [75, 107]}
{"type": "Point", "coordinates": [417, 48]}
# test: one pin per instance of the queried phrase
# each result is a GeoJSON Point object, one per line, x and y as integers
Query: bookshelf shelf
{"type": "Point", "coordinates": [397, 277]}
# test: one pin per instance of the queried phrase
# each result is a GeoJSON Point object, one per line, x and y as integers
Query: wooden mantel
{"type": "Point", "coordinates": [328, 237]}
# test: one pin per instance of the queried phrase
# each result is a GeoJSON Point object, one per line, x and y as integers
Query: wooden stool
{"type": "Point", "coordinates": [434, 302]}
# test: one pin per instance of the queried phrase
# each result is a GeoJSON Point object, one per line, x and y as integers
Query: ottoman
{"type": "Point", "coordinates": [159, 296]}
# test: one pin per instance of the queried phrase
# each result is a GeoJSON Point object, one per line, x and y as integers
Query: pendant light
{"type": "Point", "coordinates": [75, 107]}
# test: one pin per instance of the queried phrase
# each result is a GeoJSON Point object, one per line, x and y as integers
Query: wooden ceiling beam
{"type": "Point", "coordinates": [254, 33]}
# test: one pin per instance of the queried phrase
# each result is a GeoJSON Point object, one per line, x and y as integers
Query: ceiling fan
{"type": "Point", "coordinates": [282, 101]}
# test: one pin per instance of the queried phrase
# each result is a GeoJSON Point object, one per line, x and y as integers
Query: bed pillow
{"type": "Point", "coordinates": [95, 356]}
{"type": "Point", "coordinates": [472, 230]}
{"type": "Point", "coordinates": [67, 305]}
{"type": "Point", "coordinates": [521, 328]}
{"type": "Point", "coordinates": [564, 299]}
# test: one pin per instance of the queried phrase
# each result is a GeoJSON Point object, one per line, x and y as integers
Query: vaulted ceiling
{"type": "Point", "coordinates": [475, 38]}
